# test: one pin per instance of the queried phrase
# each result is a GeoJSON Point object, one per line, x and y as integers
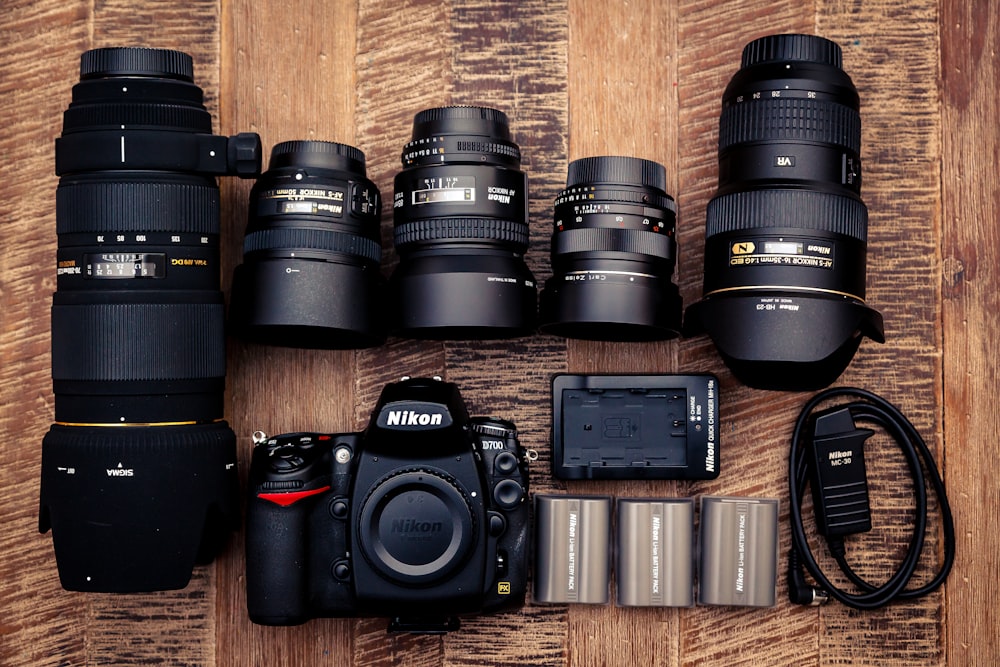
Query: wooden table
{"type": "Point", "coordinates": [577, 78]}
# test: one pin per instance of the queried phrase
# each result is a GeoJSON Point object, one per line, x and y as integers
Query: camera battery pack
{"type": "Point", "coordinates": [739, 551]}
{"type": "Point", "coordinates": [635, 426]}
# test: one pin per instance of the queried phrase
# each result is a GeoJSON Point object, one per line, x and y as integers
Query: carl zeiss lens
{"type": "Point", "coordinates": [786, 233]}
{"type": "Point", "coordinates": [613, 253]}
{"type": "Point", "coordinates": [461, 229]}
{"type": "Point", "coordinates": [139, 471]}
{"type": "Point", "coordinates": [310, 273]}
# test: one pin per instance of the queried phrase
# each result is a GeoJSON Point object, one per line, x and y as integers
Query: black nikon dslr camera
{"type": "Point", "coordinates": [421, 517]}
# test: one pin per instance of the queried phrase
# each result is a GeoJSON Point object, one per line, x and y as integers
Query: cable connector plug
{"type": "Point", "coordinates": [839, 478]}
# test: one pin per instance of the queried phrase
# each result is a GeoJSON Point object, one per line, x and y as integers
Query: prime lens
{"type": "Point", "coordinates": [460, 211]}
{"type": "Point", "coordinates": [613, 253]}
{"type": "Point", "coordinates": [786, 232]}
{"type": "Point", "coordinates": [310, 273]}
{"type": "Point", "coordinates": [138, 473]}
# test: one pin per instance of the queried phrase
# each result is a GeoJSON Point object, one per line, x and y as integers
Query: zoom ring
{"type": "Point", "coordinates": [805, 209]}
{"type": "Point", "coordinates": [91, 117]}
{"type": "Point", "coordinates": [138, 341]}
{"type": "Point", "coordinates": [285, 239]}
{"type": "Point", "coordinates": [492, 229]}
{"type": "Point", "coordinates": [790, 119]}
{"type": "Point", "coordinates": [603, 239]}
{"type": "Point", "coordinates": [137, 207]}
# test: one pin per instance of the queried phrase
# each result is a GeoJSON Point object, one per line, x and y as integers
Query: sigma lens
{"type": "Point", "coordinates": [460, 212]}
{"type": "Point", "coordinates": [613, 253]}
{"type": "Point", "coordinates": [786, 233]}
{"type": "Point", "coordinates": [139, 471]}
{"type": "Point", "coordinates": [310, 276]}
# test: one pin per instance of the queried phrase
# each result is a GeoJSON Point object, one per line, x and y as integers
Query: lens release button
{"type": "Point", "coordinates": [497, 524]}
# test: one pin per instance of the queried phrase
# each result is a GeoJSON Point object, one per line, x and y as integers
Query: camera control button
{"type": "Point", "coordinates": [341, 570]}
{"type": "Point", "coordinates": [505, 463]}
{"type": "Point", "coordinates": [508, 494]}
{"type": "Point", "coordinates": [286, 462]}
{"type": "Point", "coordinates": [497, 524]}
{"type": "Point", "coordinates": [339, 508]}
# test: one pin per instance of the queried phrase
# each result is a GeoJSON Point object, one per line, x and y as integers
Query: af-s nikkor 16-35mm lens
{"type": "Point", "coordinates": [613, 254]}
{"type": "Point", "coordinates": [460, 212]}
{"type": "Point", "coordinates": [310, 273]}
{"type": "Point", "coordinates": [786, 232]}
{"type": "Point", "coordinates": [139, 474]}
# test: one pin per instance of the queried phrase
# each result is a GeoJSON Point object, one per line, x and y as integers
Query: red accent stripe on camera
{"type": "Point", "coordinates": [290, 497]}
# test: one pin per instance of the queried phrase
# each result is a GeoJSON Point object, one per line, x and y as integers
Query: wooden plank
{"type": "Point", "coordinates": [971, 252]}
{"type": "Point", "coordinates": [40, 618]}
{"type": "Point", "coordinates": [288, 74]}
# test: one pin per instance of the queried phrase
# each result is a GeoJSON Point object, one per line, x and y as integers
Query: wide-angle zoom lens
{"type": "Point", "coordinates": [786, 233]}
{"type": "Point", "coordinates": [460, 212]}
{"type": "Point", "coordinates": [310, 273]}
{"type": "Point", "coordinates": [139, 472]}
{"type": "Point", "coordinates": [613, 254]}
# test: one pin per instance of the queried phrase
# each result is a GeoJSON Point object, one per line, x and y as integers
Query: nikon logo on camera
{"type": "Point", "coordinates": [414, 415]}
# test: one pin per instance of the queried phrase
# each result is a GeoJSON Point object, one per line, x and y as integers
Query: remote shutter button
{"type": "Point", "coordinates": [508, 494]}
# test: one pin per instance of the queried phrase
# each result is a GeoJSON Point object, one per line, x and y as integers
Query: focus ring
{"type": "Point", "coordinates": [790, 119]}
{"type": "Point", "coordinates": [584, 195]}
{"type": "Point", "coordinates": [138, 341]}
{"type": "Point", "coordinates": [440, 229]}
{"type": "Point", "coordinates": [134, 116]}
{"type": "Point", "coordinates": [806, 209]}
{"type": "Point", "coordinates": [110, 207]}
{"type": "Point", "coordinates": [603, 239]}
{"type": "Point", "coordinates": [286, 238]}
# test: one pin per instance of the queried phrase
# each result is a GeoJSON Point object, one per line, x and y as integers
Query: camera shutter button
{"type": "Point", "coordinates": [508, 494]}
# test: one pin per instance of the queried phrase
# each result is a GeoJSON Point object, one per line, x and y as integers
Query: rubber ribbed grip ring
{"type": "Point", "coordinates": [790, 119]}
{"type": "Point", "coordinates": [440, 229]}
{"type": "Point", "coordinates": [783, 48]}
{"type": "Point", "coordinates": [136, 61]}
{"type": "Point", "coordinates": [150, 115]}
{"type": "Point", "coordinates": [93, 207]}
{"type": "Point", "coordinates": [313, 239]}
{"type": "Point", "coordinates": [138, 341]}
{"type": "Point", "coordinates": [618, 170]}
{"type": "Point", "coordinates": [805, 209]}
{"type": "Point", "coordinates": [602, 195]}
{"type": "Point", "coordinates": [604, 239]}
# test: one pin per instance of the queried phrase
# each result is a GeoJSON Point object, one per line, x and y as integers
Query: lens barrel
{"type": "Point", "coordinates": [138, 473]}
{"type": "Point", "coordinates": [786, 232]}
{"type": "Point", "coordinates": [460, 212]}
{"type": "Point", "coordinates": [613, 253]}
{"type": "Point", "coordinates": [310, 275]}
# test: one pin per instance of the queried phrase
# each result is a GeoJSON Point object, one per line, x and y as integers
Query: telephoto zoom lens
{"type": "Point", "coordinates": [310, 273]}
{"type": "Point", "coordinates": [460, 212]}
{"type": "Point", "coordinates": [786, 233]}
{"type": "Point", "coordinates": [613, 253]}
{"type": "Point", "coordinates": [139, 470]}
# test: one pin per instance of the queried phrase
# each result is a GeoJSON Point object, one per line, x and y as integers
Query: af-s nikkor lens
{"type": "Point", "coordinates": [139, 471]}
{"type": "Point", "coordinates": [460, 213]}
{"type": "Point", "coordinates": [310, 273]}
{"type": "Point", "coordinates": [613, 253]}
{"type": "Point", "coordinates": [786, 232]}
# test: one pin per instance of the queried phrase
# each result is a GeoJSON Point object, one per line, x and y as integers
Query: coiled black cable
{"type": "Point", "coordinates": [875, 409]}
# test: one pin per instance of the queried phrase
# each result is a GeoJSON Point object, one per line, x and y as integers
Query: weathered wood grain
{"type": "Point", "coordinates": [577, 78]}
{"type": "Point", "coordinates": [970, 33]}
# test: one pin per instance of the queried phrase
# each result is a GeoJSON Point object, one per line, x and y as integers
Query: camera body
{"type": "Point", "coordinates": [421, 517]}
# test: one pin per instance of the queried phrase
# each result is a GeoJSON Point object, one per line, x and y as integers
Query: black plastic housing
{"type": "Point", "coordinates": [421, 517]}
{"type": "Point", "coordinates": [635, 426]}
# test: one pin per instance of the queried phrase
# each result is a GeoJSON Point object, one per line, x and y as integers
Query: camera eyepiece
{"type": "Point", "coordinates": [460, 213]}
{"type": "Point", "coordinates": [613, 254]}
{"type": "Point", "coordinates": [310, 275]}
{"type": "Point", "coordinates": [786, 232]}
